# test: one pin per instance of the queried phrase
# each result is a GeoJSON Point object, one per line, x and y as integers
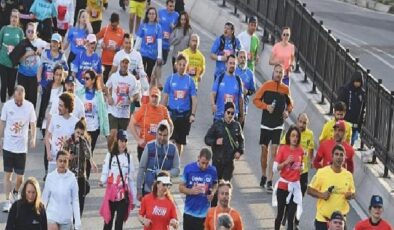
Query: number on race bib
{"type": "Point", "coordinates": [149, 39]}
{"type": "Point", "coordinates": [180, 94]}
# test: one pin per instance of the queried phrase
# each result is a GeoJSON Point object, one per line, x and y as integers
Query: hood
{"type": "Point", "coordinates": [357, 76]}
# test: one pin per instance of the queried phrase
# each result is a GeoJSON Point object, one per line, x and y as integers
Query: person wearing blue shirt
{"type": "Point", "coordinates": [227, 88]}
{"type": "Point", "coordinates": [247, 77]}
{"type": "Point", "coordinates": [149, 41]}
{"type": "Point", "coordinates": [199, 184]}
{"type": "Point", "coordinates": [223, 46]}
{"type": "Point", "coordinates": [167, 18]}
{"type": "Point", "coordinates": [180, 96]}
{"type": "Point", "coordinates": [87, 60]}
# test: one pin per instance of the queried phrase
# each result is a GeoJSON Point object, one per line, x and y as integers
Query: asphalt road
{"type": "Point", "coordinates": [368, 34]}
{"type": "Point", "coordinates": [253, 202]}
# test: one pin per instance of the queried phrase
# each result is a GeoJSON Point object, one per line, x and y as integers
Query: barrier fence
{"type": "Point", "coordinates": [328, 65]}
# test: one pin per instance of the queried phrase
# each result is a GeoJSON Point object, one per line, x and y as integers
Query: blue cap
{"type": "Point", "coordinates": [122, 135]}
{"type": "Point", "coordinates": [56, 37]}
{"type": "Point", "coordinates": [376, 200]}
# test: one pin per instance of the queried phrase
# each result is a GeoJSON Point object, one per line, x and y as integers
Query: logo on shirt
{"type": "Point", "coordinates": [159, 211]}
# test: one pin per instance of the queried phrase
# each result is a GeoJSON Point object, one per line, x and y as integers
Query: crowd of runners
{"type": "Point", "coordinates": [70, 78]}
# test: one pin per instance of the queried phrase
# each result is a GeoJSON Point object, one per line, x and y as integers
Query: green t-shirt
{"type": "Point", "coordinates": [10, 36]}
{"type": "Point", "coordinates": [254, 48]}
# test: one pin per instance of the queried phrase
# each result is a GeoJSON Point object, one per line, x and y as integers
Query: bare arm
{"type": "Point", "coordinates": [164, 100]}
{"type": "Point", "coordinates": [33, 134]}
{"type": "Point", "coordinates": [194, 104]}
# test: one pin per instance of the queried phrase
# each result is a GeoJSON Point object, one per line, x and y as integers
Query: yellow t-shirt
{"type": "Point", "coordinates": [307, 143]}
{"type": "Point", "coordinates": [95, 9]}
{"type": "Point", "coordinates": [328, 131]}
{"type": "Point", "coordinates": [343, 182]}
{"type": "Point", "coordinates": [196, 64]}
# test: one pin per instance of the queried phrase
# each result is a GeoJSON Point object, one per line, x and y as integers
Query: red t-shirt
{"type": "Point", "coordinates": [159, 211]}
{"type": "Point", "coordinates": [325, 153]}
{"type": "Point", "coordinates": [367, 225]}
{"type": "Point", "coordinates": [291, 172]}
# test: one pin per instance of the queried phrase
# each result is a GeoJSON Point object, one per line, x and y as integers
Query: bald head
{"type": "Point", "coordinates": [302, 121]}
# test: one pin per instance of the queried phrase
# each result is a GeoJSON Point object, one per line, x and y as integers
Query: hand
{"type": "Point", "coordinates": [325, 195]}
{"type": "Point", "coordinates": [71, 157]}
{"type": "Point", "coordinates": [285, 114]}
{"type": "Point", "coordinates": [349, 195]}
{"type": "Point", "coordinates": [32, 143]}
{"type": "Point", "coordinates": [219, 141]}
{"type": "Point", "coordinates": [49, 157]}
{"type": "Point", "coordinates": [270, 108]}
{"type": "Point", "coordinates": [141, 142]}
{"type": "Point", "coordinates": [213, 108]}
{"type": "Point", "coordinates": [237, 155]}
{"type": "Point", "coordinates": [94, 166]}
{"type": "Point", "coordinates": [110, 101]}
{"type": "Point", "coordinates": [159, 61]}
{"type": "Point", "coordinates": [174, 223]}
{"type": "Point", "coordinates": [195, 190]}
{"type": "Point", "coordinates": [290, 159]}
{"type": "Point", "coordinates": [146, 222]}
{"type": "Point", "coordinates": [210, 196]}
{"type": "Point", "coordinates": [257, 58]}
{"type": "Point", "coordinates": [191, 118]}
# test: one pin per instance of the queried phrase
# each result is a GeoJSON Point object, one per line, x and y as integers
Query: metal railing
{"type": "Point", "coordinates": [328, 65]}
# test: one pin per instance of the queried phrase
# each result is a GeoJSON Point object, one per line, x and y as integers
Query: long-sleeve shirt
{"type": "Point", "coordinates": [22, 216]}
{"type": "Point", "coordinates": [60, 197]}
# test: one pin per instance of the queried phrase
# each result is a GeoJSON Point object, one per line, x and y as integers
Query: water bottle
{"type": "Point", "coordinates": [273, 104]}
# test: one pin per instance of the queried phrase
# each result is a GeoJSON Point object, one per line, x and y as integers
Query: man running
{"type": "Point", "coordinates": [251, 42]}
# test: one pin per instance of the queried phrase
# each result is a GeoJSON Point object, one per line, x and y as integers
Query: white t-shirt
{"type": "Point", "coordinates": [123, 88]}
{"type": "Point", "coordinates": [135, 61]}
{"type": "Point", "coordinates": [17, 120]}
{"type": "Point", "coordinates": [91, 114]}
{"type": "Point", "coordinates": [61, 130]}
{"type": "Point", "coordinates": [53, 101]}
{"type": "Point", "coordinates": [79, 109]}
{"type": "Point", "coordinates": [245, 39]}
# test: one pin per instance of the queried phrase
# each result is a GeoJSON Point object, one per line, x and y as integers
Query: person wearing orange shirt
{"type": "Point", "coordinates": [147, 118]}
{"type": "Point", "coordinates": [224, 192]}
{"type": "Point", "coordinates": [112, 36]}
{"type": "Point", "coordinates": [374, 221]}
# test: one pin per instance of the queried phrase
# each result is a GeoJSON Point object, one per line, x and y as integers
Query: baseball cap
{"type": "Point", "coordinates": [337, 215]}
{"type": "Point", "coordinates": [56, 37]}
{"type": "Point", "coordinates": [252, 19]}
{"type": "Point", "coordinates": [125, 57]}
{"type": "Point", "coordinates": [340, 124]}
{"type": "Point", "coordinates": [155, 91]}
{"type": "Point", "coordinates": [376, 200]}
{"type": "Point", "coordinates": [122, 135]}
{"type": "Point", "coordinates": [91, 38]}
{"type": "Point", "coordinates": [70, 79]}
{"type": "Point", "coordinates": [164, 180]}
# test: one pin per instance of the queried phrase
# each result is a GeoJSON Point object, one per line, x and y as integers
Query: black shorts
{"type": "Point", "coordinates": [192, 223]}
{"type": "Point", "coordinates": [14, 162]}
{"type": "Point", "coordinates": [118, 123]}
{"type": "Point", "coordinates": [181, 129]}
{"type": "Point", "coordinates": [267, 136]}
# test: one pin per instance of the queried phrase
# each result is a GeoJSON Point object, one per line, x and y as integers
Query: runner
{"type": "Point", "coordinates": [158, 209]}
{"type": "Point", "coordinates": [199, 183]}
{"type": "Point", "coordinates": [224, 192]}
{"type": "Point", "coordinates": [17, 116]}
{"type": "Point", "coordinates": [228, 88]}
{"type": "Point", "coordinates": [339, 114]}
{"type": "Point", "coordinates": [333, 187]}
{"type": "Point", "coordinates": [180, 36]}
{"type": "Point", "coordinates": [337, 221]}
{"type": "Point", "coordinates": [223, 46]}
{"type": "Point", "coordinates": [168, 19]}
{"type": "Point", "coordinates": [375, 220]}
{"type": "Point", "coordinates": [273, 97]}
{"type": "Point", "coordinates": [95, 9]}
{"type": "Point", "coordinates": [251, 43]}
{"type": "Point", "coordinates": [196, 67]}
{"type": "Point", "coordinates": [179, 95]}
{"type": "Point", "coordinates": [44, 11]}
{"type": "Point", "coordinates": [65, 16]}
{"type": "Point", "coordinates": [158, 155]}
{"type": "Point", "coordinates": [137, 12]}
{"type": "Point", "coordinates": [145, 121]}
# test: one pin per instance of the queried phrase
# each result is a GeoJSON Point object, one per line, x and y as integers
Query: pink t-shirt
{"type": "Point", "coordinates": [283, 54]}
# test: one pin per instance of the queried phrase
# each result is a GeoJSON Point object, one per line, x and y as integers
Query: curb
{"type": "Point", "coordinates": [372, 5]}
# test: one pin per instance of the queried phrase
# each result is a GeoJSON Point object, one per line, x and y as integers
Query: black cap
{"type": "Point", "coordinates": [70, 79]}
{"type": "Point", "coordinates": [337, 215]}
{"type": "Point", "coordinates": [122, 135]}
{"type": "Point", "coordinates": [252, 19]}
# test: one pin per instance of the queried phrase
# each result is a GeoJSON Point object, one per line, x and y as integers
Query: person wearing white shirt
{"type": "Point", "coordinates": [60, 196]}
{"type": "Point", "coordinates": [121, 91]}
{"type": "Point", "coordinates": [60, 128]}
{"type": "Point", "coordinates": [16, 117]}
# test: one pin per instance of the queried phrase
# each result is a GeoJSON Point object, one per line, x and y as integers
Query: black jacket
{"type": "Point", "coordinates": [20, 50]}
{"type": "Point", "coordinates": [23, 217]}
{"type": "Point", "coordinates": [355, 100]}
{"type": "Point", "coordinates": [225, 152]}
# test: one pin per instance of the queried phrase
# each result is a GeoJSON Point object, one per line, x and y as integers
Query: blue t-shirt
{"type": "Point", "coordinates": [228, 48]}
{"type": "Point", "coordinates": [29, 66]}
{"type": "Point", "coordinates": [179, 90]}
{"type": "Point", "coordinates": [149, 33]}
{"type": "Point", "coordinates": [76, 37]}
{"type": "Point", "coordinates": [228, 90]}
{"type": "Point", "coordinates": [83, 62]}
{"type": "Point", "coordinates": [198, 205]}
{"type": "Point", "coordinates": [43, 9]}
{"type": "Point", "coordinates": [48, 64]}
{"type": "Point", "coordinates": [167, 20]}
{"type": "Point", "coordinates": [247, 78]}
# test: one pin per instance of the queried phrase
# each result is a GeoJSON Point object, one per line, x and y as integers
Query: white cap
{"type": "Point", "coordinates": [164, 179]}
{"type": "Point", "coordinates": [91, 38]}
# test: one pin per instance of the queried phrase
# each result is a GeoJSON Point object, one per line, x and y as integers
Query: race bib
{"type": "Point", "coordinates": [112, 44]}
{"type": "Point", "coordinates": [152, 129]}
{"type": "Point", "coordinates": [228, 98]}
{"type": "Point", "coordinates": [149, 39]}
{"type": "Point", "coordinates": [166, 35]}
{"type": "Point", "coordinates": [180, 94]}
{"type": "Point", "coordinates": [89, 109]}
{"type": "Point", "coordinates": [48, 76]}
{"type": "Point", "coordinates": [227, 52]}
{"type": "Point", "coordinates": [10, 48]}
{"type": "Point", "coordinates": [94, 13]}
{"type": "Point", "coordinates": [79, 41]}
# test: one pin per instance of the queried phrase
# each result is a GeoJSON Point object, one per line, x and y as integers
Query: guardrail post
{"type": "Point", "coordinates": [338, 41]}
{"type": "Point", "coordinates": [362, 147]}
{"type": "Point", "coordinates": [315, 60]}
{"type": "Point", "coordinates": [275, 19]}
{"type": "Point", "coordinates": [386, 168]}
{"type": "Point", "coordinates": [297, 67]}
{"type": "Point", "coordinates": [380, 81]}
{"type": "Point", "coordinates": [236, 8]}
{"type": "Point", "coordinates": [322, 102]}
{"type": "Point", "coordinates": [307, 50]}
{"type": "Point", "coordinates": [266, 33]}
{"type": "Point", "coordinates": [224, 3]}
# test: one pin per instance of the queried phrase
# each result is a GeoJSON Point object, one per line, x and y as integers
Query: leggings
{"type": "Point", "coordinates": [107, 69]}
{"type": "Point", "coordinates": [96, 25]}
{"type": "Point", "coordinates": [81, 193]}
{"type": "Point", "coordinates": [93, 136]}
{"type": "Point", "coordinates": [148, 66]}
{"type": "Point", "coordinates": [8, 78]}
{"type": "Point", "coordinates": [291, 209]}
{"type": "Point", "coordinates": [120, 208]}
{"type": "Point", "coordinates": [30, 85]}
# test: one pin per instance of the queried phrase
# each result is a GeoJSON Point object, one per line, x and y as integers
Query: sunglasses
{"type": "Point", "coordinates": [86, 78]}
{"type": "Point", "coordinates": [230, 112]}
{"type": "Point", "coordinates": [167, 185]}
{"type": "Point", "coordinates": [29, 31]}
{"type": "Point", "coordinates": [286, 34]}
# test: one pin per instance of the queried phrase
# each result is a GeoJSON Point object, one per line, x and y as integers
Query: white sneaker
{"type": "Point", "coordinates": [7, 206]}
{"type": "Point", "coordinates": [14, 197]}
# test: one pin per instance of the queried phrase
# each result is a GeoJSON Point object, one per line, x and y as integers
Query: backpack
{"type": "Point", "coordinates": [239, 86]}
{"type": "Point", "coordinates": [223, 42]}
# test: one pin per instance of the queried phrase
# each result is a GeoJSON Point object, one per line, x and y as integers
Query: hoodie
{"type": "Point", "coordinates": [60, 197]}
{"type": "Point", "coordinates": [355, 100]}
